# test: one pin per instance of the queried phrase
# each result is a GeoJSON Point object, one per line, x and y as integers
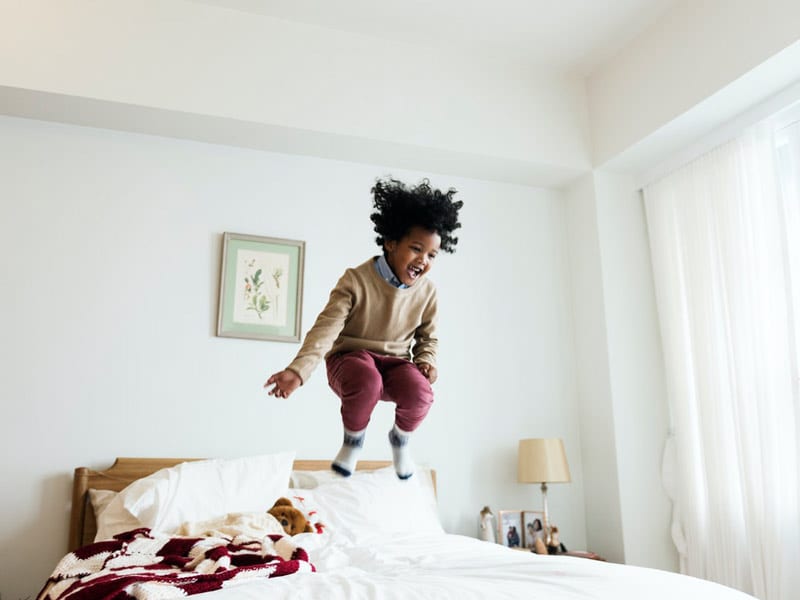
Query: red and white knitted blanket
{"type": "Point", "coordinates": [145, 565]}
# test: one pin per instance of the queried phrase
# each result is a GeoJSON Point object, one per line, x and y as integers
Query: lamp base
{"type": "Point", "coordinates": [547, 538]}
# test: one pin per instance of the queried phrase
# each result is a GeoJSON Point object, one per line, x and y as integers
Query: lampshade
{"type": "Point", "coordinates": [542, 461]}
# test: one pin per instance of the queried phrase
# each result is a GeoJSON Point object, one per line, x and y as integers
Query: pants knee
{"type": "Point", "coordinates": [353, 374]}
{"type": "Point", "coordinates": [410, 414]}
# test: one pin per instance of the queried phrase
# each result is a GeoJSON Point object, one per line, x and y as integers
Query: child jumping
{"type": "Point", "coordinates": [377, 333]}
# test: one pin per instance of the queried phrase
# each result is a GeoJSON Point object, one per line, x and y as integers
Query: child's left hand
{"type": "Point", "coordinates": [429, 371]}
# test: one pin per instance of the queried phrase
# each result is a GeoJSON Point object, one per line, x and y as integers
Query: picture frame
{"type": "Point", "coordinates": [509, 528]}
{"type": "Point", "coordinates": [530, 520]}
{"type": "Point", "coordinates": [261, 288]}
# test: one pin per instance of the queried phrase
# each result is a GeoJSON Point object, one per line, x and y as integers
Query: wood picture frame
{"type": "Point", "coordinates": [509, 528]}
{"type": "Point", "coordinates": [533, 527]}
{"type": "Point", "coordinates": [261, 288]}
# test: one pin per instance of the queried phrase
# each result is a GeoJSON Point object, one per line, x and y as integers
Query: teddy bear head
{"type": "Point", "coordinates": [291, 519]}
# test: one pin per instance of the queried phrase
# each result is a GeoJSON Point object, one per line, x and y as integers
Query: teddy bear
{"type": "Point", "coordinates": [291, 519]}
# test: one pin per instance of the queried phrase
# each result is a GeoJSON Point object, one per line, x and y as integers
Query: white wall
{"type": "Point", "coordinates": [689, 55]}
{"type": "Point", "coordinates": [623, 409]}
{"type": "Point", "coordinates": [640, 415]}
{"type": "Point", "coordinates": [192, 58]}
{"type": "Point", "coordinates": [111, 247]}
{"type": "Point", "coordinates": [597, 429]}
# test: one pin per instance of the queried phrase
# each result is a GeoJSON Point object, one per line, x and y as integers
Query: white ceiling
{"type": "Point", "coordinates": [562, 35]}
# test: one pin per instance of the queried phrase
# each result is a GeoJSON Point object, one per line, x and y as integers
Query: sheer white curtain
{"type": "Point", "coordinates": [725, 249]}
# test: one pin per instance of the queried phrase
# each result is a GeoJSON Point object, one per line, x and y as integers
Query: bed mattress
{"type": "Point", "coordinates": [454, 567]}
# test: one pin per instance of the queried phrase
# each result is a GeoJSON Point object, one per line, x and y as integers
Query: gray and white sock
{"type": "Point", "coordinates": [403, 464]}
{"type": "Point", "coordinates": [345, 461]}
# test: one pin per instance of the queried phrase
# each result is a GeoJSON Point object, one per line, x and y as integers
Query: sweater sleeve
{"type": "Point", "coordinates": [426, 344]}
{"type": "Point", "coordinates": [326, 328]}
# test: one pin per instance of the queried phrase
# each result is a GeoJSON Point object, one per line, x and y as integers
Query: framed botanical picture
{"type": "Point", "coordinates": [261, 288]}
{"type": "Point", "coordinates": [533, 523]}
{"type": "Point", "coordinates": [509, 528]}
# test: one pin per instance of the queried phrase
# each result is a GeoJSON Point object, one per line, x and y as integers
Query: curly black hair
{"type": "Point", "coordinates": [399, 208]}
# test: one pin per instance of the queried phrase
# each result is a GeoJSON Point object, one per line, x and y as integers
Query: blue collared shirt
{"type": "Point", "coordinates": [385, 271]}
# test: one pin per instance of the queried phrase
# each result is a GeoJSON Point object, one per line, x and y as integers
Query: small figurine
{"type": "Point", "coordinates": [487, 525]}
{"type": "Point", "coordinates": [555, 546]}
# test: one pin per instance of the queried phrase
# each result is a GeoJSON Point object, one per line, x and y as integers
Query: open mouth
{"type": "Point", "coordinates": [414, 272]}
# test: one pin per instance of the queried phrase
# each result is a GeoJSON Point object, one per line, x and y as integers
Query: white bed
{"type": "Point", "coordinates": [381, 540]}
{"type": "Point", "coordinates": [452, 567]}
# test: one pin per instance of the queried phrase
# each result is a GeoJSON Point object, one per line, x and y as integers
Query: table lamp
{"type": "Point", "coordinates": [542, 461]}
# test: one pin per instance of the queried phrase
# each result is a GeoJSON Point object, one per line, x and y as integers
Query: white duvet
{"type": "Point", "coordinates": [453, 567]}
{"type": "Point", "coordinates": [382, 540]}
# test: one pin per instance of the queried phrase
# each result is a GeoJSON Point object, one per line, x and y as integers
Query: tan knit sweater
{"type": "Point", "coordinates": [364, 312]}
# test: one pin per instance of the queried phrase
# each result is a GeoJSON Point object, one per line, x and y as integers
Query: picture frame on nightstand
{"type": "Point", "coordinates": [533, 528]}
{"type": "Point", "coordinates": [509, 528]}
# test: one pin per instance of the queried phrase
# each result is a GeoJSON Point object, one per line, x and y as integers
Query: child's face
{"type": "Point", "coordinates": [412, 256]}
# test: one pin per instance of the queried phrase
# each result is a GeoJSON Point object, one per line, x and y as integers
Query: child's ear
{"type": "Point", "coordinates": [390, 245]}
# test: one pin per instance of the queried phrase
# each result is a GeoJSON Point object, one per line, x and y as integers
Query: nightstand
{"type": "Point", "coordinates": [576, 553]}
{"type": "Point", "coordinates": [582, 554]}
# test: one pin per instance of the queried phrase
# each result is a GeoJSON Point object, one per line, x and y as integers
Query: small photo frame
{"type": "Point", "coordinates": [509, 528]}
{"type": "Point", "coordinates": [261, 288]}
{"type": "Point", "coordinates": [533, 525]}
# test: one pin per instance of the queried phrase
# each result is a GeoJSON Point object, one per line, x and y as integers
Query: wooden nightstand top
{"type": "Point", "coordinates": [576, 553]}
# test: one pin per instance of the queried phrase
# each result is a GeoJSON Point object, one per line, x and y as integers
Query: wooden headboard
{"type": "Point", "coordinates": [124, 471]}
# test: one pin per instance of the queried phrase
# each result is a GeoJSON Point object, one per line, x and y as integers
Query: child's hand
{"type": "Point", "coordinates": [285, 381]}
{"type": "Point", "coordinates": [429, 371]}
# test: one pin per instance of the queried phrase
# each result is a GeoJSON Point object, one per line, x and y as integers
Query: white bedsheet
{"type": "Point", "coordinates": [452, 567]}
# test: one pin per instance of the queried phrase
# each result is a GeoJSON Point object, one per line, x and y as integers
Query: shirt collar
{"type": "Point", "coordinates": [385, 271]}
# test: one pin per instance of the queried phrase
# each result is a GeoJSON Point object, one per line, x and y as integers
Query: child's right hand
{"type": "Point", "coordinates": [285, 382]}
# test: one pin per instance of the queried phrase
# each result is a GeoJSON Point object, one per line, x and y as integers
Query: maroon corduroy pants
{"type": "Point", "coordinates": [361, 378]}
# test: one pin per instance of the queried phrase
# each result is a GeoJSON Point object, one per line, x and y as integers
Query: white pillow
{"type": "Point", "coordinates": [308, 480]}
{"type": "Point", "coordinates": [100, 499]}
{"type": "Point", "coordinates": [110, 515]}
{"type": "Point", "coordinates": [377, 503]}
{"type": "Point", "coordinates": [201, 490]}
